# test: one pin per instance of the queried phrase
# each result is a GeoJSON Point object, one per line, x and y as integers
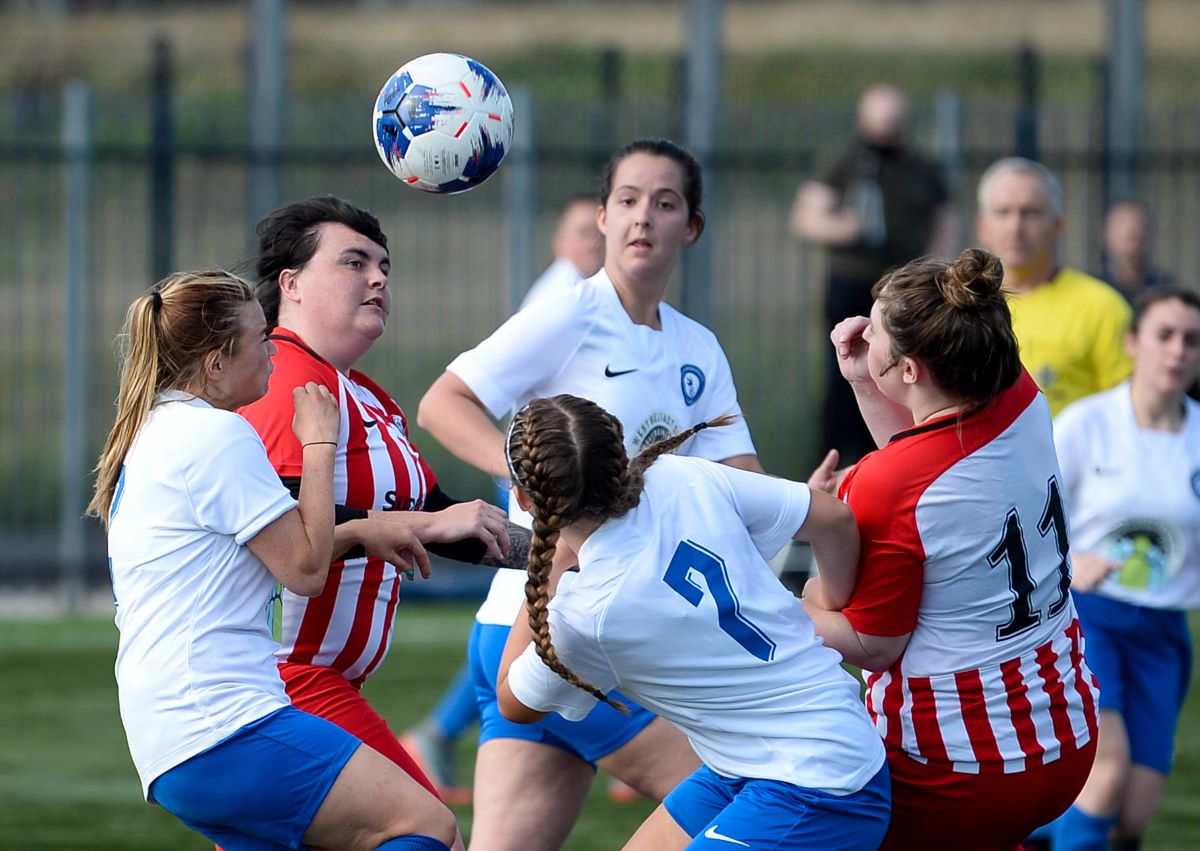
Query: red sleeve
{"type": "Point", "coordinates": [887, 596]}
{"type": "Point", "coordinates": [272, 415]}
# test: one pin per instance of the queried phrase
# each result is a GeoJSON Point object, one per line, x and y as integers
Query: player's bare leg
{"type": "Point", "coordinates": [374, 800]}
{"type": "Point", "coordinates": [527, 796]}
{"type": "Point", "coordinates": [1143, 793]}
{"type": "Point", "coordinates": [1105, 787]}
{"type": "Point", "coordinates": [654, 761]}
{"type": "Point", "coordinates": [659, 832]}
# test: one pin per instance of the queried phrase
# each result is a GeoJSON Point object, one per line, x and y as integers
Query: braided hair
{"type": "Point", "coordinates": [568, 455]}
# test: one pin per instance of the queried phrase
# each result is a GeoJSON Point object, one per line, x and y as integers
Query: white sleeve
{"type": "Point", "coordinates": [1070, 444]}
{"type": "Point", "coordinates": [233, 487]}
{"type": "Point", "coordinates": [539, 688]}
{"type": "Point", "coordinates": [525, 352]}
{"type": "Point", "coordinates": [773, 509]}
{"type": "Point", "coordinates": [720, 397]}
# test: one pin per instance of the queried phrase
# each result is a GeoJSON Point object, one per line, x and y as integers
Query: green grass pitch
{"type": "Point", "coordinates": [66, 781]}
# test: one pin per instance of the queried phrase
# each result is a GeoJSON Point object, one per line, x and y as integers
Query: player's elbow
{"type": "Point", "coordinates": [514, 710]}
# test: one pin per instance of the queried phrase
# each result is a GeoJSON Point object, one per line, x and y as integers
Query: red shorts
{"type": "Point", "coordinates": [933, 807]}
{"type": "Point", "coordinates": [323, 691]}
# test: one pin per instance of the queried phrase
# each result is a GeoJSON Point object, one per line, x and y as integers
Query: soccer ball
{"type": "Point", "coordinates": [443, 123]}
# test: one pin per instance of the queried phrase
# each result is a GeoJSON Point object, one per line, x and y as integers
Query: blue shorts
{"type": "Point", "coordinates": [722, 813]}
{"type": "Point", "coordinates": [1143, 659]}
{"type": "Point", "coordinates": [259, 789]}
{"type": "Point", "coordinates": [603, 731]}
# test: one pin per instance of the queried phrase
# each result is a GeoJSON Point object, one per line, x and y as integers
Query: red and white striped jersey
{"type": "Point", "coordinates": [965, 547]}
{"type": "Point", "coordinates": [348, 626]}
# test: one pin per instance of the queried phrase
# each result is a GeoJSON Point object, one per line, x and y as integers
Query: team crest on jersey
{"type": "Point", "coordinates": [691, 381]}
{"type": "Point", "coordinates": [655, 427]}
{"type": "Point", "coordinates": [1196, 482]}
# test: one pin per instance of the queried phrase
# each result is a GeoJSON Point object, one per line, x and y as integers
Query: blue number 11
{"type": "Point", "coordinates": [691, 558]}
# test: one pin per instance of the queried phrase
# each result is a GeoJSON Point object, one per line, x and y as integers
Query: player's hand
{"type": "Point", "coordinates": [388, 535]}
{"type": "Point", "coordinates": [827, 477]}
{"type": "Point", "coordinates": [316, 417]}
{"type": "Point", "coordinates": [475, 519]}
{"type": "Point", "coordinates": [850, 348]}
{"type": "Point", "coordinates": [1089, 570]}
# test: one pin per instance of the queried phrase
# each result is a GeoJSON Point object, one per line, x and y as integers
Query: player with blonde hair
{"type": "Point", "coordinates": [199, 531]}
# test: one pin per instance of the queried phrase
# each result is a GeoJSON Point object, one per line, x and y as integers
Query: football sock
{"type": "Point", "coordinates": [1075, 830]}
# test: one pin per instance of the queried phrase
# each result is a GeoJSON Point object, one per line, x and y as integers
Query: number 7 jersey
{"type": "Point", "coordinates": [965, 546]}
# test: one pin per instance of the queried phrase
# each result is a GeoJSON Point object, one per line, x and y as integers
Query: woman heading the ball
{"type": "Point", "coordinates": [962, 614]}
{"type": "Point", "coordinates": [610, 339]}
{"type": "Point", "coordinates": [323, 270]}
{"type": "Point", "coordinates": [675, 605]}
{"type": "Point", "coordinates": [199, 531]}
{"type": "Point", "coordinates": [1131, 469]}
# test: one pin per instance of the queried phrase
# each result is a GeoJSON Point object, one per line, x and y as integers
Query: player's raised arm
{"type": "Point", "coordinates": [453, 414]}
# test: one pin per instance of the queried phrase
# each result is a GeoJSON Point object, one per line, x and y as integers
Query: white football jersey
{"type": "Point", "coordinates": [196, 660]}
{"type": "Point", "coordinates": [676, 606]}
{"type": "Point", "coordinates": [1133, 495]}
{"type": "Point", "coordinates": [581, 341]}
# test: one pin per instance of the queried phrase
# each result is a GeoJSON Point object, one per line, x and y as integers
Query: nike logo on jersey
{"type": "Point", "coordinates": [711, 833]}
{"type": "Point", "coordinates": [369, 423]}
{"type": "Point", "coordinates": [609, 372]}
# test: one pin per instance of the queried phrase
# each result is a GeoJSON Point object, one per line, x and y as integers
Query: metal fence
{"type": "Point", "coordinates": [92, 214]}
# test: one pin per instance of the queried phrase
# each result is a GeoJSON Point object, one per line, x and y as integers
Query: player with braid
{"type": "Point", "coordinates": [611, 339]}
{"type": "Point", "coordinates": [675, 605]}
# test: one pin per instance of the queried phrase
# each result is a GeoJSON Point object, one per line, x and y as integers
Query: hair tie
{"type": "Point", "coordinates": [700, 426]}
{"type": "Point", "coordinates": [156, 300]}
{"type": "Point", "coordinates": [512, 471]}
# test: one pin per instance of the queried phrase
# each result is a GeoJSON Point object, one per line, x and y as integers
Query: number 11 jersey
{"type": "Point", "coordinates": [965, 547]}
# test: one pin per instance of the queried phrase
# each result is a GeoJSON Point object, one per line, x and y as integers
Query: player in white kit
{"type": "Point", "coordinates": [1131, 467]}
{"type": "Point", "coordinates": [613, 340]}
{"type": "Point", "coordinates": [200, 529]}
{"type": "Point", "coordinates": [675, 605]}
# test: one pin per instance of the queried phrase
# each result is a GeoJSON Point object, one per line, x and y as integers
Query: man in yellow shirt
{"type": "Point", "coordinates": [1070, 326]}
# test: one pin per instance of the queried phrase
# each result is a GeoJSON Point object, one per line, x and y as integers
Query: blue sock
{"type": "Point", "coordinates": [1075, 830]}
{"type": "Point", "coordinates": [457, 708]}
{"type": "Point", "coordinates": [413, 842]}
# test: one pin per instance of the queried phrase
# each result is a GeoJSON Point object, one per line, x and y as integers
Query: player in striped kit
{"type": "Point", "coordinates": [961, 614]}
{"type": "Point", "coordinates": [323, 282]}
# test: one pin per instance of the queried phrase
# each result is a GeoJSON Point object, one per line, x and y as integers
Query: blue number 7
{"type": "Point", "coordinates": [692, 557]}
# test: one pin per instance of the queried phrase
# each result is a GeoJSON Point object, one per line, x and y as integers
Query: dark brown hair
{"type": "Point", "coordinates": [693, 181]}
{"type": "Point", "coordinates": [288, 237]}
{"type": "Point", "coordinates": [1153, 296]}
{"type": "Point", "coordinates": [568, 455]}
{"type": "Point", "coordinates": [954, 319]}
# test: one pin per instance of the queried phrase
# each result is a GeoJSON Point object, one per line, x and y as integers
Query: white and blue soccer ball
{"type": "Point", "coordinates": [443, 123]}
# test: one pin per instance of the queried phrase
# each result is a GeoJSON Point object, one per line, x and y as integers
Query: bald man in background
{"type": "Point", "coordinates": [880, 204]}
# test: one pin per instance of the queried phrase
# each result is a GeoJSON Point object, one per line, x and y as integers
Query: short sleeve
{"type": "Point", "coordinates": [232, 486]}
{"type": "Point", "coordinates": [887, 596]}
{"type": "Point", "coordinates": [720, 397]}
{"type": "Point", "coordinates": [539, 688]}
{"type": "Point", "coordinates": [1070, 444]}
{"type": "Point", "coordinates": [772, 509]}
{"type": "Point", "coordinates": [839, 173]}
{"type": "Point", "coordinates": [526, 351]}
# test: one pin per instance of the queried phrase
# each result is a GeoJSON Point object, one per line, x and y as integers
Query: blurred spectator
{"type": "Point", "coordinates": [578, 248]}
{"type": "Point", "coordinates": [1128, 233]}
{"type": "Point", "coordinates": [879, 205]}
{"type": "Point", "coordinates": [1070, 326]}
